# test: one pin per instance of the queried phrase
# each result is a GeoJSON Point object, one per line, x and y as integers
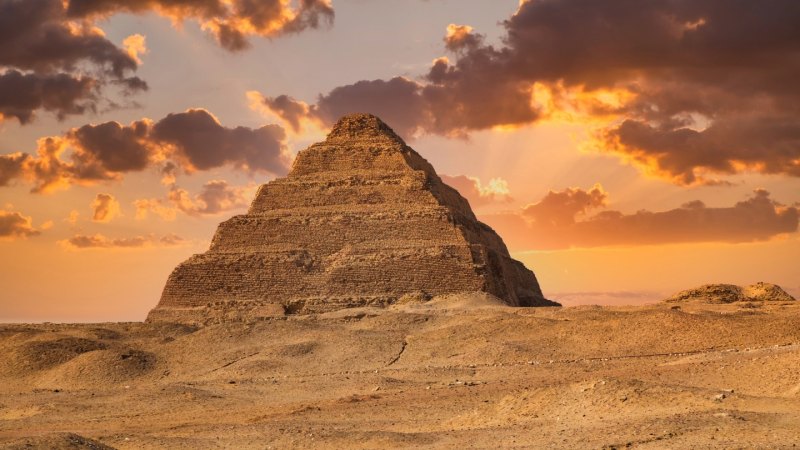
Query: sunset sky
{"type": "Point", "coordinates": [623, 151]}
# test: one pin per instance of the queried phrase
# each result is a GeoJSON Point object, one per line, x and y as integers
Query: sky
{"type": "Point", "coordinates": [624, 151]}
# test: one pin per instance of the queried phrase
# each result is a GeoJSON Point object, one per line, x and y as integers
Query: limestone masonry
{"type": "Point", "coordinates": [361, 220]}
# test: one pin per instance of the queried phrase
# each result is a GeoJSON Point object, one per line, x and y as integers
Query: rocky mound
{"type": "Point", "coordinates": [66, 357]}
{"type": "Point", "coordinates": [97, 368]}
{"type": "Point", "coordinates": [361, 220]}
{"type": "Point", "coordinates": [766, 292]}
{"type": "Point", "coordinates": [730, 293]}
{"type": "Point", "coordinates": [45, 354]}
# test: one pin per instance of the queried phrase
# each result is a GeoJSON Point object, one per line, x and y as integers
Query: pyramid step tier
{"type": "Point", "coordinates": [355, 189]}
{"type": "Point", "coordinates": [327, 230]}
{"type": "Point", "coordinates": [280, 277]}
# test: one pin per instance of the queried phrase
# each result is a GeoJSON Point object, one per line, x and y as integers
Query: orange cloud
{"type": "Point", "coordinates": [295, 114]}
{"type": "Point", "coordinates": [145, 206]}
{"type": "Point", "coordinates": [561, 220]}
{"type": "Point", "coordinates": [135, 46]}
{"type": "Point", "coordinates": [15, 225]}
{"type": "Point", "coordinates": [215, 197]}
{"type": "Point", "coordinates": [231, 22]}
{"type": "Point", "coordinates": [461, 37]}
{"type": "Point", "coordinates": [193, 140]}
{"type": "Point", "coordinates": [99, 241]}
{"type": "Point", "coordinates": [105, 208]}
{"type": "Point", "coordinates": [688, 156]}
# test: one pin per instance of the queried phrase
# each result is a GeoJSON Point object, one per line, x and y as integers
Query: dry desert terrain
{"type": "Point", "coordinates": [456, 372]}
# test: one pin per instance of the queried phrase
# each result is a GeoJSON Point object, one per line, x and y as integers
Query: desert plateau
{"type": "Point", "coordinates": [461, 371]}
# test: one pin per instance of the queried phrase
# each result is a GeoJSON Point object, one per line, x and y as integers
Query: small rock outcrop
{"type": "Point", "coordinates": [730, 293]}
{"type": "Point", "coordinates": [361, 220]}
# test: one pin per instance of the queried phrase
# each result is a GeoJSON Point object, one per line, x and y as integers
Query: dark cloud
{"type": "Point", "coordinates": [202, 143]}
{"type": "Point", "coordinates": [56, 64]}
{"type": "Point", "coordinates": [690, 88]}
{"type": "Point", "coordinates": [194, 140]}
{"type": "Point", "coordinates": [231, 23]}
{"type": "Point", "coordinates": [453, 105]}
{"type": "Point", "coordinates": [99, 241]}
{"type": "Point", "coordinates": [554, 222]}
{"type": "Point", "coordinates": [21, 95]}
{"type": "Point", "coordinates": [398, 101]}
{"type": "Point", "coordinates": [12, 167]}
{"type": "Point", "coordinates": [690, 39]}
{"type": "Point", "coordinates": [15, 225]}
{"type": "Point", "coordinates": [113, 147]}
{"type": "Point", "coordinates": [37, 35]}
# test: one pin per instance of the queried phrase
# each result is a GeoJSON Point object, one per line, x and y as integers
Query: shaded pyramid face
{"type": "Point", "coordinates": [362, 219]}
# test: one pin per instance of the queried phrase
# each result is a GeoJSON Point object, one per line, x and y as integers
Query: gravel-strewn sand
{"type": "Point", "coordinates": [454, 374]}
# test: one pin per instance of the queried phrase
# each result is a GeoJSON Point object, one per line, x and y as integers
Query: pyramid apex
{"type": "Point", "coordinates": [362, 125]}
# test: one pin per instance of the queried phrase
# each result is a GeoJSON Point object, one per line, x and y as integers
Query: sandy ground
{"type": "Point", "coordinates": [454, 374]}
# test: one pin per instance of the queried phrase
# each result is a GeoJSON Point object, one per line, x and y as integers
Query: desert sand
{"type": "Point", "coordinates": [460, 371]}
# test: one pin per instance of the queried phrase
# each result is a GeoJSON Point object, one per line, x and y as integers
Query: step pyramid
{"type": "Point", "coordinates": [361, 220]}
